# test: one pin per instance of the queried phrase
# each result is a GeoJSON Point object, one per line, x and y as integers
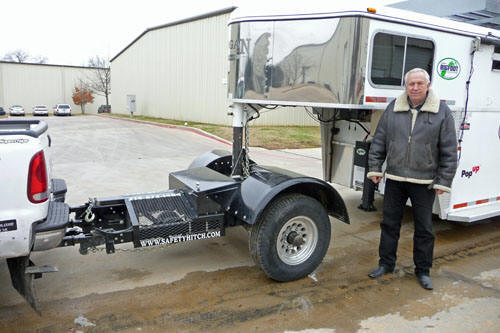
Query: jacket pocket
{"type": "Point", "coordinates": [421, 157]}
{"type": "Point", "coordinates": [395, 157]}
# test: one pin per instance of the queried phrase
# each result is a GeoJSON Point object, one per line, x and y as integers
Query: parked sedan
{"type": "Point", "coordinates": [2, 112]}
{"type": "Point", "coordinates": [40, 110]}
{"type": "Point", "coordinates": [16, 110]}
{"type": "Point", "coordinates": [62, 110]}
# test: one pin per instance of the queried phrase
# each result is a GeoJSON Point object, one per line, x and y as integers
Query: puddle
{"type": "Point", "coordinates": [472, 315]}
{"type": "Point", "coordinates": [82, 321]}
{"type": "Point", "coordinates": [489, 279]}
{"type": "Point", "coordinates": [313, 330]}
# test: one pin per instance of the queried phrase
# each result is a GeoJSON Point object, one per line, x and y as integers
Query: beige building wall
{"type": "Point", "coordinates": [179, 71]}
{"type": "Point", "coordinates": [32, 84]}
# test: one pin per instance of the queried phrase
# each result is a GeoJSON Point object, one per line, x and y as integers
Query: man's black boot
{"type": "Point", "coordinates": [379, 271]}
{"type": "Point", "coordinates": [425, 281]}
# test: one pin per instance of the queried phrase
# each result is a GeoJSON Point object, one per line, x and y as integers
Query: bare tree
{"type": "Point", "coordinates": [99, 80]}
{"type": "Point", "coordinates": [39, 59]}
{"type": "Point", "coordinates": [18, 55]}
{"type": "Point", "coordinates": [21, 55]}
{"type": "Point", "coordinates": [292, 65]}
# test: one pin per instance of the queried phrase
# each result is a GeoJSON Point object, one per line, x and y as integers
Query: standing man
{"type": "Point", "coordinates": [416, 136]}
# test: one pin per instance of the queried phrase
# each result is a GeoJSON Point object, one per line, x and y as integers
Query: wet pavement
{"type": "Point", "coordinates": [212, 285]}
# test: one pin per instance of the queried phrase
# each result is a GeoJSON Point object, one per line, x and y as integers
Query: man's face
{"type": "Point", "coordinates": [417, 87]}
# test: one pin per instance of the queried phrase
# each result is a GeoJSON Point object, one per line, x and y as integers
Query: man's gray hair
{"type": "Point", "coordinates": [418, 70]}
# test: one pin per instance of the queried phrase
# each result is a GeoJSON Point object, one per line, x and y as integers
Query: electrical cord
{"type": "Point", "coordinates": [318, 118]}
{"type": "Point", "coordinates": [247, 121]}
{"type": "Point", "coordinates": [360, 124]}
{"type": "Point", "coordinates": [265, 107]}
{"type": "Point", "coordinates": [462, 125]}
{"type": "Point", "coordinates": [256, 111]}
{"type": "Point", "coordinates": [311, 115]}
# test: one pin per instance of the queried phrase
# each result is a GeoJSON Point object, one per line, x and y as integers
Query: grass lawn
{"type": "Point", "coordinates": [270, 137]}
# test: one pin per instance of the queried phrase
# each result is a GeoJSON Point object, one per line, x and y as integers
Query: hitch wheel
{"type": "Point", "coordinates": [291, 237]}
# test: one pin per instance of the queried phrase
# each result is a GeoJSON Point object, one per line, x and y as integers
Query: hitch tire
{"type": "Point", "coordinates": [291, 237]}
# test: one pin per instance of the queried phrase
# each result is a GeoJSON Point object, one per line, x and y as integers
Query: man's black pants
{"type": "Point", "coordinates": [422, 199]}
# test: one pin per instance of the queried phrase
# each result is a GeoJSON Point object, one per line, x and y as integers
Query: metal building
{"type": "Point", "coordinates": [179, 71]}
{"type": "Point", "coordinates": [485, 13]}
{"type": "Point", "coordinates": [34, 84]}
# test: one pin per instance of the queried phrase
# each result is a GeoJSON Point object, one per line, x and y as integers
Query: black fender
{"type": "Point", "coordinates": [247, 202]}
{"type": "Point", "coordinates": [218, 160]}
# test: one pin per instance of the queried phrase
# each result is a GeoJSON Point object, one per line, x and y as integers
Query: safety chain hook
{"type": "Point", "coordinates": [89, 215]}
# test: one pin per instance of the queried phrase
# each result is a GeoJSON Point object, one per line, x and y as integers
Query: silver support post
{"type": "Point", "coordinates": [238, 122]}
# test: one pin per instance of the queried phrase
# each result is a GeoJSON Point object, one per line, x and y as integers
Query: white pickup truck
{"type": "Point", "coordinates": [33, 215]}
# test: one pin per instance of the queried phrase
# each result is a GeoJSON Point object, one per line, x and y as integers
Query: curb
{"type": "Point", "coordinates": [258, 150]}
{"type": "Point", "coordinates": [178, 127]}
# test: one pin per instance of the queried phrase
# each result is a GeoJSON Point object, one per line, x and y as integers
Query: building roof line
{"type": "Point", "coordinates": [51, 65]}
{"type": "Point", "coordinates": [182, 21]}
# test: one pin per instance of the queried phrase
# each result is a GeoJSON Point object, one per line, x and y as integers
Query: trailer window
{"type": "Point", "coordinates": [419, 53]}
{"type": "Point", "coordinates": [387, 59]}
{"type": "Point", "coordinates": [496, 59]}
{"type": "Point", "coordinates": [394, 55]}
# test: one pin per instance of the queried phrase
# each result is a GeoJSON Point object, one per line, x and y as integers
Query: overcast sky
{"type": "Point", "coordinates": [68, 32]}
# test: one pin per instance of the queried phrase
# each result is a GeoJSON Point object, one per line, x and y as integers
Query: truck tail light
{"type": "Point", "coordinates": [37, 179]}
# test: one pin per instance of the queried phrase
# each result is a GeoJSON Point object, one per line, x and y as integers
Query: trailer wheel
{"type": "Point", "coordinates": [290, 238]}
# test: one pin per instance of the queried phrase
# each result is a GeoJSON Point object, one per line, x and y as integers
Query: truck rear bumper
{"type": "Point", "coordinates": [50, 232]}
{"type": "Point", "coordinates": [59, 189]}
{"type": "Point", "coordinates": [48, 240]}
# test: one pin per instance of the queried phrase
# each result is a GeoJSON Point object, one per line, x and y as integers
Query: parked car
{"type": "Point", "coordinates": [40, 110]}
{"type": "Point", "coordinates": [104, 109]}
{"type": "Point", "coordinates": [16, 110]}
{"type": "Point", "coordinates": [2, 112]}
{"type": "Point", "coordinates": [62, 110]}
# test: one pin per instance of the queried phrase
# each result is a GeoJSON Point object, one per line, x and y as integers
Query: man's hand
{"type": "Point", "coordinates": [375, 179]}
{"type": "Point", "coordinates": [438, 192]}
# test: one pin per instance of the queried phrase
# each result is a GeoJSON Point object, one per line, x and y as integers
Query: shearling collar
{"type": "Point", "coordinates": [431, 103]}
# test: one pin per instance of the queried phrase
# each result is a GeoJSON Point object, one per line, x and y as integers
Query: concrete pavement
{"type": "Point", "coordinates": [213, 285]}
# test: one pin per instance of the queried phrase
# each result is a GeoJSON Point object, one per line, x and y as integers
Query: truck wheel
{"type": "Point", "coordinates": [290, 238]}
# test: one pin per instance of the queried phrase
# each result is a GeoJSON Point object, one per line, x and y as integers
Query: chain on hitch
{"type": "Point", "coordinates": [89, 215]}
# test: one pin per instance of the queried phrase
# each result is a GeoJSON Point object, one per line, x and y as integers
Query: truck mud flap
{"type": "Point", "coordinates": [22, 281]}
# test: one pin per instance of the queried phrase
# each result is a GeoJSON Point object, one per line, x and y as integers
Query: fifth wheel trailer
{"type": "Point", "coordinates": [345, 65]}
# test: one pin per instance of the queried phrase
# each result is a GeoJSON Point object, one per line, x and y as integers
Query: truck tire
{"type": "Point", "coordinates": [290, 238]}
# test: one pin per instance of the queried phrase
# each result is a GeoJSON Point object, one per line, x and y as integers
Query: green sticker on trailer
{"type": "Point", "coordinates": [448, 68]}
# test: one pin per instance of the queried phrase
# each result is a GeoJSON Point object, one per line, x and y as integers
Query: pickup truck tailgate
{"type": "Point", "coordinates": [20, 141]}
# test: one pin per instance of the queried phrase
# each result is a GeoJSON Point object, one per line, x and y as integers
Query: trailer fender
{"type": "Point", "coordinates": [265, 184]}
{"type": "Point", "coordinates": [218, 160]}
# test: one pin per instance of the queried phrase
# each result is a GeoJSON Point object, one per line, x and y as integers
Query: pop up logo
{"type": "Point", "coordinates": [448, 68]}
{"type": "Point", "coordinates": [468, 174]}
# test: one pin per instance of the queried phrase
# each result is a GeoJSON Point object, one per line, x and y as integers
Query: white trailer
{"type": "Point", "coordinates": [348, 64]}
